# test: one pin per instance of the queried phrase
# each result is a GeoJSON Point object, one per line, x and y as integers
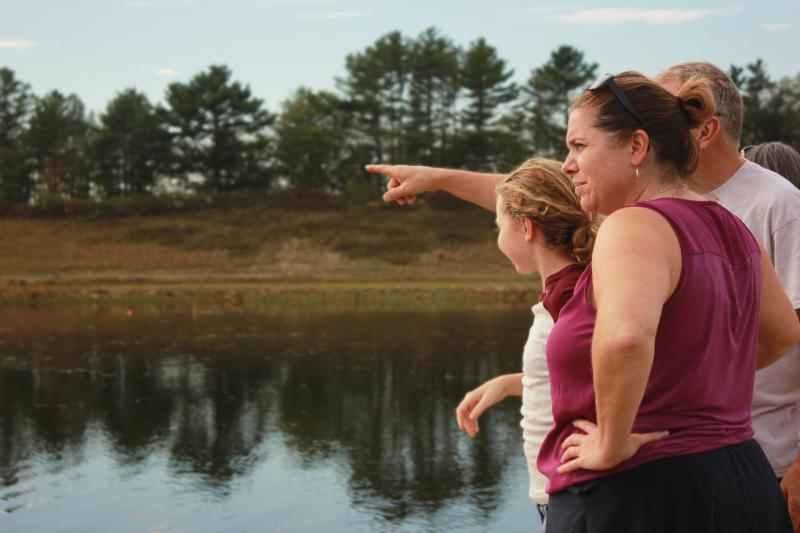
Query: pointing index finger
{"type": "Point", "coordinates": [378, 169]}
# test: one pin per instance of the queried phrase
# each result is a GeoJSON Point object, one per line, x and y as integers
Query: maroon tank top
{"type": "Point", "coordinates": [701, 384]}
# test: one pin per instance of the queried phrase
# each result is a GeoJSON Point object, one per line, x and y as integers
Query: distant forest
{"type": "Point", "coordinates": [420, 100]}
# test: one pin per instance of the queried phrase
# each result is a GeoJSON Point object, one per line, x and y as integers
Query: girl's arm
{"type": "Point", "coordinates": [477, 401]}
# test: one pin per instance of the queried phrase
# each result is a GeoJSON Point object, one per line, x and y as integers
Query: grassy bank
{"type": "Point", "coordinates": [254, 248]}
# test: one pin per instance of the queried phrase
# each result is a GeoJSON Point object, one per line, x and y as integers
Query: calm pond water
{"type": "Point", "coordinates": [256, 420]}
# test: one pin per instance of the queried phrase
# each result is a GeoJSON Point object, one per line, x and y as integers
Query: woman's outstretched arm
{"type": "Point", "coordinates": [407, 181]}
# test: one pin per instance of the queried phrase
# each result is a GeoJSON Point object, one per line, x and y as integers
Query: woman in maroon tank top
{"type": "Point", "coordinates": [652, 361]}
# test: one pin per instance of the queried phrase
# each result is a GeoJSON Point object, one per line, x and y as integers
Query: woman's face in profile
{"type": "Point", "coordinates": [599, 165]}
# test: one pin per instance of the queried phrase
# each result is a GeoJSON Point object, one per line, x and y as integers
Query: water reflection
{"type": "Point", "coordinates": [213, 412]}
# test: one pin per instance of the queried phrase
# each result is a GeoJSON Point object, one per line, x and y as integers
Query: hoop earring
{"type": "Point", "coordinates": [636, 169]}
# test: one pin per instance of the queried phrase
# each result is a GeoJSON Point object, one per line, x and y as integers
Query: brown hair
{"type": "Point", "coordinates": [778, 157]}
{"type": "Point", "coordinates": [726, 95]}
{"type": "Point", "coordinates": [667, 119]}
{"type": "Point", "coordinates": [538, 190]}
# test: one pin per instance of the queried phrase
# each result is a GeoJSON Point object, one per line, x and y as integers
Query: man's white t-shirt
{"type": "Point", "coordinates": [769, 205]}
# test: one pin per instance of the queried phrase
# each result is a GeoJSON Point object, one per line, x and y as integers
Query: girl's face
{"type": "Point", "coordinates": [514, 240]}
{"type": "Point", "coordinates": [601, 169]}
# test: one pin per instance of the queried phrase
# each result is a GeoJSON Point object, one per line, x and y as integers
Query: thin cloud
{"type": "Point", "coordinates": [283, 3]}
{"type": "Point", "coordinates": [544, 10]}
{"type": "Point", "coordinates": [331, 15]}
{"type": "Point", "coordinates": [165, 71]}
{"type": "Point", "coordinates": [613, 15]}
{"type": "Point", "coordinates": [16, 44]}
{"type": "Point", "coordinates": [780, 27]}
{"type": "Point", "coordinates": [156, 3]}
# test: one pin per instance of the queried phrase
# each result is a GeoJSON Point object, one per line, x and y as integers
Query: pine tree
{"type": "Point", "coordinates": [220, 132]}
{"type": "Point", "coordinates": [771, 109]}
{"type": "Point", "coordinates": [434, 89]}
{"type": "Point", "coordinates": [375, 92]}
{"type": "Point", "coordinates": [485, 80]}
{"type": "Point", "coordinates": [310, 146]}
{"type": "Point", "coordinates": [16, 101]}
{"type": "Point", "coordinates": [58, 139]}
{"type": "Point", "coordinates": [131, 146]}
{"type": "Point", "coordinates": [551, 89]}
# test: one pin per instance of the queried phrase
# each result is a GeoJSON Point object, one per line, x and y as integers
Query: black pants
{"type": "Point", "coordinates": [729, 490]}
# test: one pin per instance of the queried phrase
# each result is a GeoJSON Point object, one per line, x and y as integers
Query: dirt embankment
{"type": "Point", "coordinates": [268, 247]}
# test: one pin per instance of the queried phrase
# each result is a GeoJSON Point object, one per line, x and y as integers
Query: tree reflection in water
{"type": "Point", "coordinates": [373, 391]}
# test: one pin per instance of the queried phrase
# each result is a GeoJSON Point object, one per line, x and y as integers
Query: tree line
{"type": "Point", "coordinates": [422, 99]}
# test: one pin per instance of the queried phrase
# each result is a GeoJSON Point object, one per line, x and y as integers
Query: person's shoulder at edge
{"type": "Point", "coordinates": [752, 178]}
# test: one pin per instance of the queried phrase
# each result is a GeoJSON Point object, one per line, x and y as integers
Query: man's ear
{"type": "Point", "coordinates": [706, 133]}
{"type": "Point", "coordinates": [530, 229]}
{"type": "Point", "coordinates": [640, 145]}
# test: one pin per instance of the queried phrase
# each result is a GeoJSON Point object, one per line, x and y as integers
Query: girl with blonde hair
{"type": "Point", "coordinates": [541, 230]}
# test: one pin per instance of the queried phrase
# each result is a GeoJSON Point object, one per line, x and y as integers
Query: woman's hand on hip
{"type": "Point", "coordinates": [583, 450]}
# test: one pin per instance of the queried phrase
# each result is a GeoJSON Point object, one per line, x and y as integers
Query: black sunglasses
{"type": "Point", "coordinates": [608, 81]}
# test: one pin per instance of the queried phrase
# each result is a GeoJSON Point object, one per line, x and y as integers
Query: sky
{"type": "Point", "coordinates": [97, 48]}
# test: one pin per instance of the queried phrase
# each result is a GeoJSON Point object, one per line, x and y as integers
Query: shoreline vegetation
{"type": "Point", "coordinates": [422, 99]}
{"type": "Point", "coordinates": [290, 249]}
{"type": "Point", "coordinates": [202, 194]}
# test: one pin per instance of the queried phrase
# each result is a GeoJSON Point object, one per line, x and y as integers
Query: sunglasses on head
{"type": "Point", "coordinates": [608, 81]}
